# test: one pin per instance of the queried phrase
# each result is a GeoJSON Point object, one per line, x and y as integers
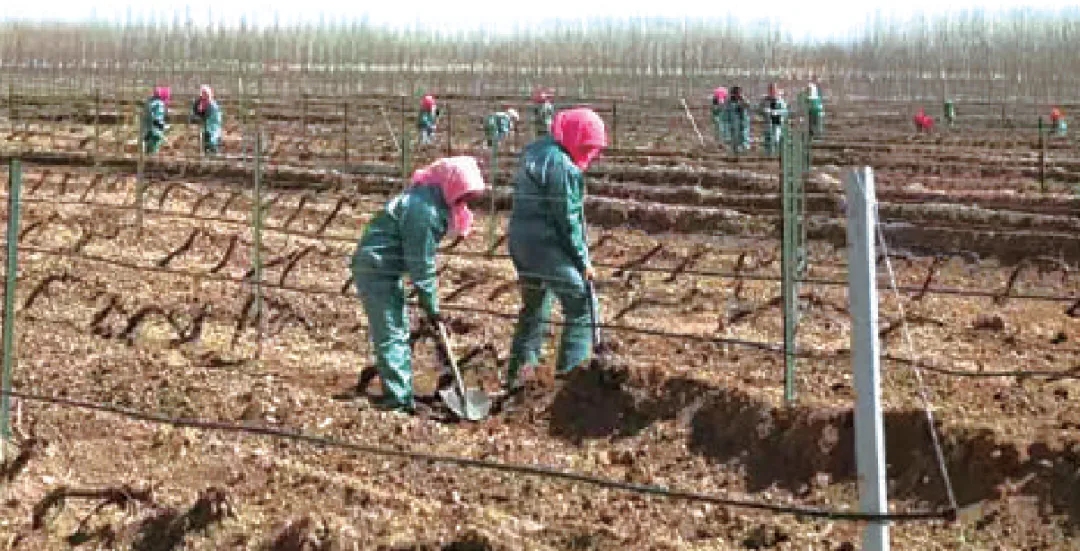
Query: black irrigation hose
{"type": "Point", "coordinates": [529, 470]}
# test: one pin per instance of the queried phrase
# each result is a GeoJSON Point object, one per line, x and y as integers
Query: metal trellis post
{"type": "Point", "coordinates": [14, 192]}
{"type": "Point", "coordinates": [406, 162]}
{"type": "Point", "coordinates": [345, 117]}
{"type": "Point", "coordinates": [1042, 157]}
{"type": "Point", "coordinates": [493, 224]}
{"type": "Point", "coordinates": [793, 257]}
{"type": "Point", "coordinates": [256, 253]}
{"type": "Point", "coordinates": [449, 133]}
{"type": "Point", "coordinates": [614, 125]}
{"type": "Point", "coordinates": [140, 182]}
{"type": "Point", "coordinates": [97, 128]}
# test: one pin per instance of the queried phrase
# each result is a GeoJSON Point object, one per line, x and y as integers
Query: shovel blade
{"type": "Point", "coordinates": [478, 402]}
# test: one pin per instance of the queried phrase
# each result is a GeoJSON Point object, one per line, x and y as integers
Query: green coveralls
{"type": "Point", "coordinates": [775, 111]}
{"type": "Point", "coordinates": [496, 127]}
{"type": "Point", "coordinates": [718, 122]}
{"type": "Point", "coordinates": [950, 112]}
{"type": "Point", "coordinates": [547, 245]}
{"type": "Point", "coordinates": [402, 239]}
{"type": "Point", "coordinates": [543, 114]}
{"type": "Point", "coordinates": [425, 123]}
{"type": "Point", "coordinates": [737, 121]}
{"type": "Point", "coordinates": [154, 125]}
{"type": "Point", "coordinates": [211, 125]}
{"type": "Point", "coordinates": [816, 111]}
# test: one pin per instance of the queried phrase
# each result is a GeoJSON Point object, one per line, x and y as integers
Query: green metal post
{"type": "Point", "coordinates": [14, 191]}
{"type": "Point", "coordinates": [1042, 157]}
{"type": "Point", "coordinates": [97, 129]}
{"type": "Point", "coordinates": [345, 117]}
{"type": "Point", "coordinates": [793, 261]}
{"type": "Point", "coordinates": [256, 253]}
{"type": "Point", "coordinates": [493, 222]}
{"type": "Point", "coordinates": [449, 133]}
{"type": "Point", "coordinates": [140, 188]}
{"type": "Point", "coordinates": [614, 125]}
{"type": "Point", "coordinates": [406, 161]}
{"type": "Point", "coordinates": [11, 106]}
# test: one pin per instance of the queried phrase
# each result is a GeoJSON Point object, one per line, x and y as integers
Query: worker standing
{"type": "Point", "coordinates": [815, 110]}
{"type": "Point", "coordinates": [543, 111]}
{"type": "Point", "coordinates": [155, 120]}
{"type": "Point", "coordinates": [547, 242]}
{"type": "Point", "coordinates": [737, 120]}
{"type": "Point", "coordinates": [774, 109]}
{"type": "Point", "coordinates": [950, 112]}
{"type": "Point", "coordinates": [923, 122]}
{"type": "Point", "coordinates": [499, 125]}
{"type": "Point", "coordinates": [1057, 121]}
{"type": "Point", "coordinates": [718, 99]}
{"type": "Point", "coordinates": [207, 113]}
{"type": "Point", "coordinates": [428, 120]}
{"type": "Point", "coordinates": [403, 239]}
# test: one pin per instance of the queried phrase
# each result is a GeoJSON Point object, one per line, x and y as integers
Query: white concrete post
{"type": "Point", "coordinates": [869, 428]}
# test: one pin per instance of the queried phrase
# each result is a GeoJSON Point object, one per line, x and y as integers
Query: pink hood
{"type": "Point", "coordinates": [206, 95]}
{"type": "Point", "coordinates": [163, 93]}
{"type": "Point", "coordinates": [720, 94]}
{"type": "Point", "coordinates": [458, 178]}
{"type": "Point", "coordinates": [581, 132]}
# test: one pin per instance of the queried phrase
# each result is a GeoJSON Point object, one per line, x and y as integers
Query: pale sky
{"type": "Point", "coordinates": [800, 17]}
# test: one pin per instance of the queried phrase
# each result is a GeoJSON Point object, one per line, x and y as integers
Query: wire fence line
{"type": "Point", "coordinates": [682, 267]}
{"type": "Point", "coordinates": [770, 347]}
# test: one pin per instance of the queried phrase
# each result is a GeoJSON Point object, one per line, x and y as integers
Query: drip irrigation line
{"type": "Point", "coordinates": [509, 468]}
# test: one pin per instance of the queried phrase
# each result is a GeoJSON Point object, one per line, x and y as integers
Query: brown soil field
{"type": "Point", "coordinates": [160, 321]}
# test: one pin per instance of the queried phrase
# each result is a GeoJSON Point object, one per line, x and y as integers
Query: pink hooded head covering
{"type": "Point", "coordinates": [427, 102]}
{"type": "Point", "coordinates": [581, 132]}
{"type": "Point", "coordinates": [206, 94]}
{"type": "Point", "coordinates": [460, 180]}
{"type": "Point", "coordinates": [923, 121]}
{"type": "Point", "coordinates": [163, 93]}
{"type": "Point", "coordinates": [720, 94]}
{"type": "Point", "coordinates": [541, 95]}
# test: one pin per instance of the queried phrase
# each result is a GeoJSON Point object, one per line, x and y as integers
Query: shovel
{"type": "Point", "coordinates": [600, 352]}
{"type": "Point", "coordinates": [471, 404]}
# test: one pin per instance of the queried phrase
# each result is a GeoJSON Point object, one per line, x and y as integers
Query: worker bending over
{"type": "Point", "coordinates": [403, 239]}
{"type": "Point", "coordinates": [497, 126]}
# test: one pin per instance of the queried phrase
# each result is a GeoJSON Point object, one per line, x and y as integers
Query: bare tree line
{"type": "Point", "coordinates": [1020, 55]}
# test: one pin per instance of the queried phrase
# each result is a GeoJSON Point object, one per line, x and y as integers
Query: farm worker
{"type": "Point", "coordinates": [548, 245]}
{"type": "Point", "coordinates": [719, 97]}
{"type": "Point", "coordinates": [737, 120]}
{"type": "Point", "coordinates": [206, 111]}
{"type": "Point", "coordinates": [543, 111]}
{"type": "Point", "coordinates": [815, 110]}
{"type": "Point", "coordinates": [498, 125]}
{"type": "Point", "coordinates": [1057, 121]}
{"type": "Point", "coordinates": [923, 122]}
{"type": "Point", "coordinates": [428, 119]}
{"type": "Point", "coordinates": [154, 120]}
{"type": "Point", "coordinates": [950, 112]}
{"type": "Point", "coordinates": [403, 239]}
{"type": "Point", "coordinates": [774, 109]}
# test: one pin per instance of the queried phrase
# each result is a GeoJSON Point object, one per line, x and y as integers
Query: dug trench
{"type": "Point", "coordinates": [802, 449]}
